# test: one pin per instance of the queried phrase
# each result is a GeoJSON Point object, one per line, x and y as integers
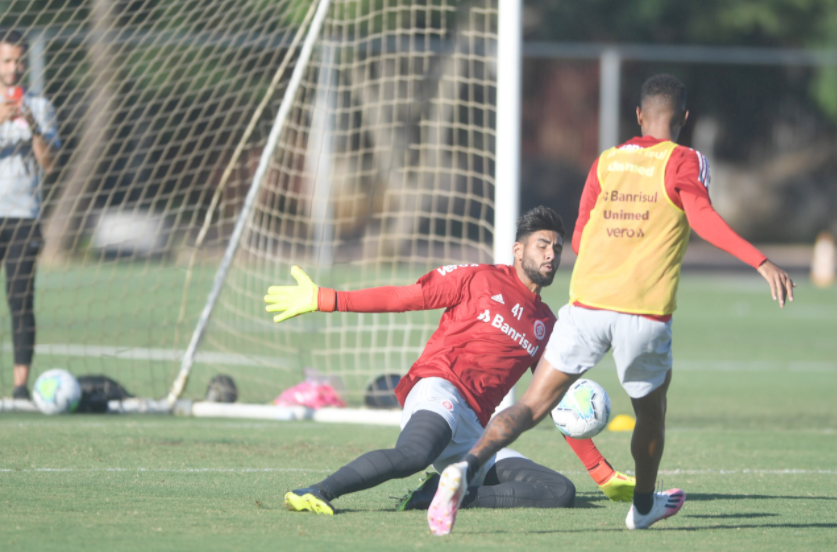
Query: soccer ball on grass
{"type": "Point", "coordinates": [584, 410]}
{"type": "Point", "coordinates": [56, 392]}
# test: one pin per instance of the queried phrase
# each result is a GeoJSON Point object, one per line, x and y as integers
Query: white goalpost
{"type": "Point", "coordinates": [507, 174]}
{"type": "Point", "coordinates": [367, 141]}
{"type": "Point", "coordinates": [249, 201]}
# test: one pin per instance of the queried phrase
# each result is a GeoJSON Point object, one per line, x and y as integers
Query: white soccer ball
{"type": "Point", "coordinates": [584, 410]}
{"type": "Point", "coordinates": [56, 392]}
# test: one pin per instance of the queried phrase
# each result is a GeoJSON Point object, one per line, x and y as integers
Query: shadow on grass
{"type": "Point", "coordinates": [672, 529]}
{"type": "Point", "coordinates": [756, 526]}
{"type": "Point", "coordinates": [584, 503]}
{"type": "Point", "coordinates": [589, 500]}
{"type": "Point", "coordinates": [726, 516]}
{"type": "Point", "coordinates": [691, 497]}
{"type": "Point", "coordinates": [581, 503]}
{"type": "Point", "coordinates": [583, 500]}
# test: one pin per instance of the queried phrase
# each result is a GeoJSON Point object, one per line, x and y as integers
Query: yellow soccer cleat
{"type": "Point", "coordinates": [619, 488]}
{"type": "Point", "coordinates": [308, 500]}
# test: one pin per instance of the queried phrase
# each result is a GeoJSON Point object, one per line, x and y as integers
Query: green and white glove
{"type": "Point", "coordinates": [293, 300]}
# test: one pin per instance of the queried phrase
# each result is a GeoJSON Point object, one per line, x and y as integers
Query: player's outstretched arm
{"type": "Point", "coordinates": [781, 285]}
{"type": "Point", "coordinates": [710, 226]}
{"type": "Point", "coordinates": [292, 301]}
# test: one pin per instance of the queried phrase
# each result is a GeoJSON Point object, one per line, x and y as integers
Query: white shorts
{"type": "Point", "coordinates": [440, 396]}
{"type": "Point", "coordinates": [641, 347]}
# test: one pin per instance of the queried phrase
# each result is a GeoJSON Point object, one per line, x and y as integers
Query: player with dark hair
{"type": "Point", "coordinates": [28, 140]}
{"type": "Point", "coordinates": [494, 328]}
{"type": "Point", "coordinates": [14, 38]}
{"type": "Point", "coordinates": [672, 93]}
{"type": "Point", "coordinates": [638, 203]}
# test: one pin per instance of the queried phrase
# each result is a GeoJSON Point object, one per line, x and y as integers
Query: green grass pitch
{"type": "Point", "coordinates": [751, 438]}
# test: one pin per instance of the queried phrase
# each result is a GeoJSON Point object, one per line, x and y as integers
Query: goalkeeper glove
{"type": "Point", "coordinates": [293, 300]}
{"type": "Point", "coordinates": [619, 488]}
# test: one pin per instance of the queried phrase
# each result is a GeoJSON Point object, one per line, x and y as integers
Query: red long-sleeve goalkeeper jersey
{"type": "Point", "coordinates": [492, 330]}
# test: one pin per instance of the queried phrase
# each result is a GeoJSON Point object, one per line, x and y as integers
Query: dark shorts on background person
{"type": "Point", "coordinates": [20, 244]}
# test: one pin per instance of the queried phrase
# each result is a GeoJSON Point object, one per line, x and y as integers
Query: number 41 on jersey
{"type": "Point", "coordinates": [517, 311]}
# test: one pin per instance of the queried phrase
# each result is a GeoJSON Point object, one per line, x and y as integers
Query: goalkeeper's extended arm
{"type": "Point", "coordinates": [306, 297]}
{"type": "Point", "coordinates": [292, 301]}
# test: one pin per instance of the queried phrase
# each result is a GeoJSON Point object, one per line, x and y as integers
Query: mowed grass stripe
{"type": "Point", "coordinates": [305, 470]}
{"type": "Point", "coordinates": [207, 484]}
{"type": "Point", "coordinates": [752, 434]}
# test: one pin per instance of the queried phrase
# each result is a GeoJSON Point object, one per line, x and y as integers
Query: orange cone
{"type": "Point", "coordinates": [823, 261]}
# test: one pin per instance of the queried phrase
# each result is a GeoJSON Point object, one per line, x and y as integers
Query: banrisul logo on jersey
{"type": "Point", "coordinates": [540, 329]}
{"type": "Point", "coordinates": [520, 338]}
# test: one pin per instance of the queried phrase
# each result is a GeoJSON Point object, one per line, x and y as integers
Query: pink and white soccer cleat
{"type": "Point", "coordinates": [452, 487]}
{"type": "Point", "coordinates": [666, 504]}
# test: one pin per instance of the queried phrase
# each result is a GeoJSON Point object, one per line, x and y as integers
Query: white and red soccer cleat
{"type": "Point", "coordinates": [452, 487]}
{"type": "Point", "coordinates": [666, 504]}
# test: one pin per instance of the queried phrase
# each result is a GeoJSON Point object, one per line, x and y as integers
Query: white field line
{"type": "Point", "coordinates": [311, 425]}
{"type": "Point", "coordinates": [161, 470]}
{"type": "Point", "coordinates": [713, 429]}
{"type": "Point", "coordinates": [303, 470]}
{"type": "Point", "coordinates": [71, 421]}
{"type": "Point", "coordinates": [143, 353]}
{"type": "Point", "coordinates": [236, 359]}
{"type": "Point", "coordinates": [753, 366]}
{"type": "Point", "coordinates": [754, 472]}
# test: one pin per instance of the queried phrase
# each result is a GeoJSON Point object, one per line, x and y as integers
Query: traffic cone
{"type": "Point", "coordinates": [823, 261]}
{"type": "Point", "coordinates": [622, 422]}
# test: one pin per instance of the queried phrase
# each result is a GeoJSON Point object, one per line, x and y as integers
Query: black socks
{"type": "Point", "coordinates": [421, 441]}
{"type": "Point", "coordinates": [473, 466]}
{"type": "Point", "coordinates": [643, 502]}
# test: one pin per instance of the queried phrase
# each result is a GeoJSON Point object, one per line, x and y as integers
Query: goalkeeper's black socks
{"type": "Point", "coordinates": [643, 502]}
{"type": "Point", "coordinates": [421, 441]}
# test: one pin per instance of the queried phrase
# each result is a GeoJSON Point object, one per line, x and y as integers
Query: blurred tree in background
{"type": "Point", "coordinates": [768, 129]}
{"type": "Point", "coordinates": [774, 23]}
{"type": "Point", "coordinates": [750, 23]}
{"type": "Point", "coordinates": [170, 90]}
{"type": "Point", "coordinates": [151, 97]}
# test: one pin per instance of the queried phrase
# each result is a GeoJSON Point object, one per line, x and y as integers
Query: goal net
{"type": "Point", "coordinates": [380, 170]}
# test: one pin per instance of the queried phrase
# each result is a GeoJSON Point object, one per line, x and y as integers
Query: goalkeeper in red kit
{"type": "Point", "coordinates": [494, 328]}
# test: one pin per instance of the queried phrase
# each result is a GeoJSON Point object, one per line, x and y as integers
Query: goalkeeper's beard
{"type": "Point", "coordinates": [532, 270]}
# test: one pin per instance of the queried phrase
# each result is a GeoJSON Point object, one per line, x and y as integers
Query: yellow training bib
{"type": "Point", "coordinates": [633, 245]}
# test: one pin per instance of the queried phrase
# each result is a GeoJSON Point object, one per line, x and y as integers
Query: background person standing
{"type": "Point", "coordinates": [28, 142]}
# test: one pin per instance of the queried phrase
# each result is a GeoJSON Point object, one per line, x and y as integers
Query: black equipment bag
{"type": "Point", "coordinates": [97, 390]}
